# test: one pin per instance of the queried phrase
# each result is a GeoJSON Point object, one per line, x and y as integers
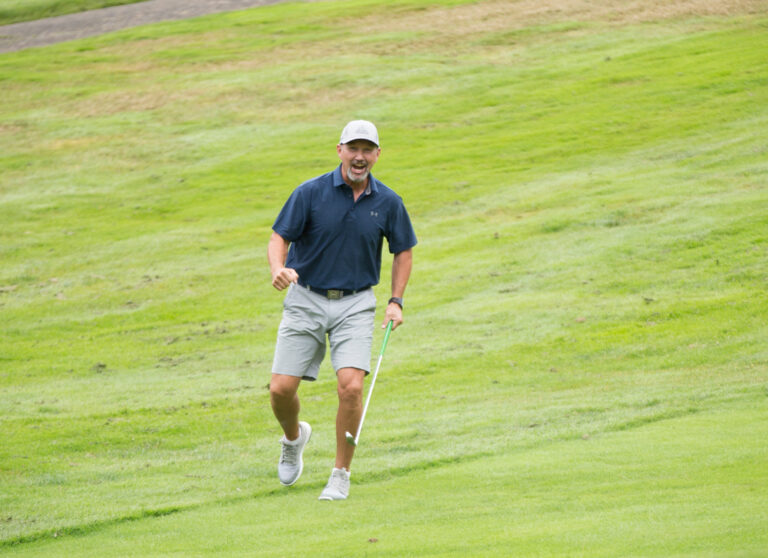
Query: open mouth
{"type": "Point", "coordinates": [358, 172]}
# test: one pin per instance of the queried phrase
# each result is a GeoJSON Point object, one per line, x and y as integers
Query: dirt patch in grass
{"type": "Point", "coordinates": [18, 36]}
{"type": "Point", "coordinates": [503, 14]}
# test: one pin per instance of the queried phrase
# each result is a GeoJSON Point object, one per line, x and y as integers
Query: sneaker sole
{"type": "Point", "coordinates": [329, 499]}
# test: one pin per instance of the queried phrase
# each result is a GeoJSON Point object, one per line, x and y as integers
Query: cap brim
{"type": "Point", "coordinates": [350, 140]}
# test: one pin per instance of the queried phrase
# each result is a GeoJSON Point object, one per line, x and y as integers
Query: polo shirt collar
{"type": "Point", "coordinates": [338, 180]}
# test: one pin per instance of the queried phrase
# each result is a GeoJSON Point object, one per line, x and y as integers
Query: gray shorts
{"type": "Point", "coordinates": [308, 317]}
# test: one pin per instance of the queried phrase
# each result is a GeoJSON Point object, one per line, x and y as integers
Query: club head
{"type": "Point", "coordinates": [350, 438]}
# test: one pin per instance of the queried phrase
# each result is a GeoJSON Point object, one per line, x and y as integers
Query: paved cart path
{"type": "Point", "coordinates": [18, 36]}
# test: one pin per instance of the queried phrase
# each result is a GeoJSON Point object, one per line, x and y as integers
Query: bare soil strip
{"type": "Point", "coordinates": [18, 36]}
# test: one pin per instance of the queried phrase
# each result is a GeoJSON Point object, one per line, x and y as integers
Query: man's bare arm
{"type": "Point", "coordinates": [401, 272]}
{"type": "Point", "coordinates": [277, 252]}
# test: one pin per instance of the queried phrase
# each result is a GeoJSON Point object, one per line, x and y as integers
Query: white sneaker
{"type": "Point", "coordinates": [337, 487]}
{"type": "Point", "coordinates": [291, 463]}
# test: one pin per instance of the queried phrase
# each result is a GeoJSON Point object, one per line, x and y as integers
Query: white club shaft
{"type": "Point", "coordinates": [368, 399]}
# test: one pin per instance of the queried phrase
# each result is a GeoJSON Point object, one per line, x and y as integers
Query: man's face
{"type": "Point", "coordinates": [357, 160]}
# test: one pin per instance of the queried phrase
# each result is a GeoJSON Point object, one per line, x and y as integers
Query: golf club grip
{"type": "Point", "coordinates": [386, 337]}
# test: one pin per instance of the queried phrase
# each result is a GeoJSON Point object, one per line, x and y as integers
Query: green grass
{"type": "Point", "coordinates": [582, 371]}
{"type": "Point", "coordinates": [616, 497]}
{"type": "Point", "coordinates": [16, 11]}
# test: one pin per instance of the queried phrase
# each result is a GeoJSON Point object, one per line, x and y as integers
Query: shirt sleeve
{"type": "Point", "coordinates": [292, 219]}
{"type": "Point", "coordinates": [401, 235]}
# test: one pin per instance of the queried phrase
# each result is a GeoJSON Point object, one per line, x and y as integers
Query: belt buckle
{"type": "Point", "coordinates": [335, 294]}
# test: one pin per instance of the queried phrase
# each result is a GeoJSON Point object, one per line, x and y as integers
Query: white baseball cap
{"type": "Point", "coordinates": [360, 129]}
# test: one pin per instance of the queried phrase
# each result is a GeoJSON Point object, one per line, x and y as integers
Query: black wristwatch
{"type": "Point", "coordinates": [397, 300]}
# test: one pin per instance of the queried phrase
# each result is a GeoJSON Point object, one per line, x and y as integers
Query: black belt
{"type": "Point", "coordinates": [332, 294]}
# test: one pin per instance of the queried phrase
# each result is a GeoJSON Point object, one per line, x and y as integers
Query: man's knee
{"type": "Point", "coordinates": [350, 384]}
{"type": "Point", "coordinates": [283, 387]}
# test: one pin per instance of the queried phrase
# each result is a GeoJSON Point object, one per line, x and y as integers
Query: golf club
{"type": "Point", "coordinates": [353, 439]}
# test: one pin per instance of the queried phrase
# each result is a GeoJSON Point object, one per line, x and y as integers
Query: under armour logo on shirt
{"type": "Point", "coordinates": [374, 213]}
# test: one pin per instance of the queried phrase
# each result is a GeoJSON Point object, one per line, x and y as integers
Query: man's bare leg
{"type": "Point", "coordinates": [285, 403]}
{"type": "Point", "coordinates": [350, 390]}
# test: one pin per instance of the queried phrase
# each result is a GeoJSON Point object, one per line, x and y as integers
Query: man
{"type": "Point", "coordinates": [326, 250]}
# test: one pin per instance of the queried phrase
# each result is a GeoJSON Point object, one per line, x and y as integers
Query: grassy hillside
{"type": "Point", "coordinates": [583, 366]}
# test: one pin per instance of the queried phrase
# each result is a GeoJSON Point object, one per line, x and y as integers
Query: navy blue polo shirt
{"type": "Point", "coordinates": [336, 243]}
